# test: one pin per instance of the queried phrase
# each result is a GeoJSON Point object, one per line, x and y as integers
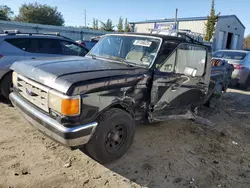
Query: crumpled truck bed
{"type": "Point", "coordinates": [221, 72]}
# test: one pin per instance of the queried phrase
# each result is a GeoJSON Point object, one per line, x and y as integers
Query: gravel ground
{"type": "Point", "coordinates": [169, 154]}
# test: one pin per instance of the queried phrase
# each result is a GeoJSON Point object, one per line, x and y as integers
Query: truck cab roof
{"type": "Point", "coordinates": [164, 37]}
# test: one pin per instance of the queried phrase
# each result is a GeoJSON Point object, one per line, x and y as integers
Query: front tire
{"type": "Point", "coordinates": [6, 85]}
{"type": "Point", "coordinates": [113, 136]}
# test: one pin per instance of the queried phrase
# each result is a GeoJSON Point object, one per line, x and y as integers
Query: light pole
{"type": "Point", "coordinates": [176, 15]}
{"type": "Point", "coordinates": [85, 17]}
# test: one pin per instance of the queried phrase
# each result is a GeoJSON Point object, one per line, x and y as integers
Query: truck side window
{"type": "Point", "coordinates": [168, 58]}
{"type": "Point", "coordinates": [193, 56]}
{"type": "Point", "coordinates": [168, 65]}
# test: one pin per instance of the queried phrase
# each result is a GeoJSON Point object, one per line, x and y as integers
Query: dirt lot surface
{"type": "Point", "coordinates": [170, 154]}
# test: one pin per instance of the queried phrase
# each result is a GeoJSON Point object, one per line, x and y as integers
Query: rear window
{"type": "Point", "coordinates": [46, 46]}
{"type": "Point", "coordinates": [70, 48]}
{"type": "Point", "coordinates": [37, 45]}
{"type": "Point", "coordinates": [230, 55]}
{"type": "Point", "coordinates": [21, 43]}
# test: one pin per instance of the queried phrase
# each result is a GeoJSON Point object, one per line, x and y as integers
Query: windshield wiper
{"type": "Point", "coordinates": [128, 63]}
{"type": "Point", "coordinates": [122, 60]}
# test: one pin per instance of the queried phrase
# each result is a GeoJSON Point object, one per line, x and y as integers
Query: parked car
{"type": "Point", "coordinates": [241, 61]}
{"type": "Point", "coordinates": [89, 44]}
{"type": "Point", "coordinates": [20, 46]}
{"type": "Point", "coordinates": [125, 79]}
{"type": "Point", "coordinates": [224, 70]}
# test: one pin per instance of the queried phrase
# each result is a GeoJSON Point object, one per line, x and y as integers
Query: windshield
{"type": "Point", "coordinates": [230, 55]}
{"type": "Point", "coordinates": [130, 49]}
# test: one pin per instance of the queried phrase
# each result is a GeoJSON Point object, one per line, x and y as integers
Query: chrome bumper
{"type": "Point", "coordinates": [71, 137]}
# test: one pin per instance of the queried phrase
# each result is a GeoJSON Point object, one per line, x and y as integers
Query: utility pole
{"type": "Point", "coordinates": [85, 17]}
{"type": "Point", "coordinates": [176, 15]}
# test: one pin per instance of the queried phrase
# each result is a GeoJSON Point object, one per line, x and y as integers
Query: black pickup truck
{"type": "Point", "coordinates": [125, 79]}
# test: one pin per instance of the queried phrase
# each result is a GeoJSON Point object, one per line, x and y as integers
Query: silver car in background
{"type": "Point", "coordinates": [240, 59]}
{"type": "Point", "coordinates": [24, 46]}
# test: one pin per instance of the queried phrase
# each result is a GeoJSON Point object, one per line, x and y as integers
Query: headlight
{"type": "Point", "coordinates": [65, 105]}
{"type": "Point", "coordinates": [14, 78]}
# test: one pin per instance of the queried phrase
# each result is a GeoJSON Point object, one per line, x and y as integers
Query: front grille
{"type": "Point", "coordinates": [36, 93]}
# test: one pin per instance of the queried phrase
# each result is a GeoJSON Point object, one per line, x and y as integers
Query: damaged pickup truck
{"type": "Point", "coordinates": [125, 79]}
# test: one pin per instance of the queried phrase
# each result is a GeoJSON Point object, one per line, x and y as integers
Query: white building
{"type": "Point", "coordinates": [229, 33]}
{"type": "Point", "coordinates": [70, 32]}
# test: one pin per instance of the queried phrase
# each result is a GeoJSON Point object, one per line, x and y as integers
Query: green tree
{"type": "Point", "coordinates": [41, 14]}
{"type": "Point", "coordinates": [120, 25]}
{"type": "Point", "coordinates": [211, 21]}
{"type": "Point", "coordinates": [108, 26]}
{"type": "Point", "coordinates": [246, 43]}
{"type": "Point", "coordinates": [5, 12]}
{"type": "Point", "coordinates": [126, 26]}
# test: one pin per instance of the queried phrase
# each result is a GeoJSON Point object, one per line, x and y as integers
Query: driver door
{"type": "Point", "coordinates": [180, 82]}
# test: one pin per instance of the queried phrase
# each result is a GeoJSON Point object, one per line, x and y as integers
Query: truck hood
{"type": "Point", "coordinates": [61, 73]}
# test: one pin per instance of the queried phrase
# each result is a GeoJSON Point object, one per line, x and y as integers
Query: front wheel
{"type": "Point", "coordinates": [6, 85]}
{"type": "Point", "coordinates": [113, 136]}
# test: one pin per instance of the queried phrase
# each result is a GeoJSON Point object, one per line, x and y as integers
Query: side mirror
{"type": "Point", "coordinates": [190, 71]}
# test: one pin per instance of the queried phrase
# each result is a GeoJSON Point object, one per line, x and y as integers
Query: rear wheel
{"type": "Point", "coordinates": [6, 85]}
{"type": "Point", "coordinates": [245, 85]}
{"type": "Point", "coordinates": [113, 136]}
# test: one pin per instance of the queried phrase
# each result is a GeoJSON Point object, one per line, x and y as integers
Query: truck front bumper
{"type": "Point", "coordinates": [72, 137]}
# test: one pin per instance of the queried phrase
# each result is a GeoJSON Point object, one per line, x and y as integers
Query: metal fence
{"type": "Point", "coordinates": [70, 32]}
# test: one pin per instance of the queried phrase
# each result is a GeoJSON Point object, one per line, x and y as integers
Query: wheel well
{"type": "Point", "coordinates": [125, 108]}
{"type": "Point", "coordinates": [7, 73]}
{"type": "Point", "coordinates": [120, 106]}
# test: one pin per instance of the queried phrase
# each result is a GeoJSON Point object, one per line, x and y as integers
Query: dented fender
{"type": "Point", "coordinates": [129, 93]}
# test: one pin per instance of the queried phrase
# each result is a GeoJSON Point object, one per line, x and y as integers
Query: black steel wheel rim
{"type": "Point", "coordinates": [116, 138]}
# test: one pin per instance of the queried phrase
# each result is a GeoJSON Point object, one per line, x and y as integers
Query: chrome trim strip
{"type": "Point", "coordinates": [15, 99]}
